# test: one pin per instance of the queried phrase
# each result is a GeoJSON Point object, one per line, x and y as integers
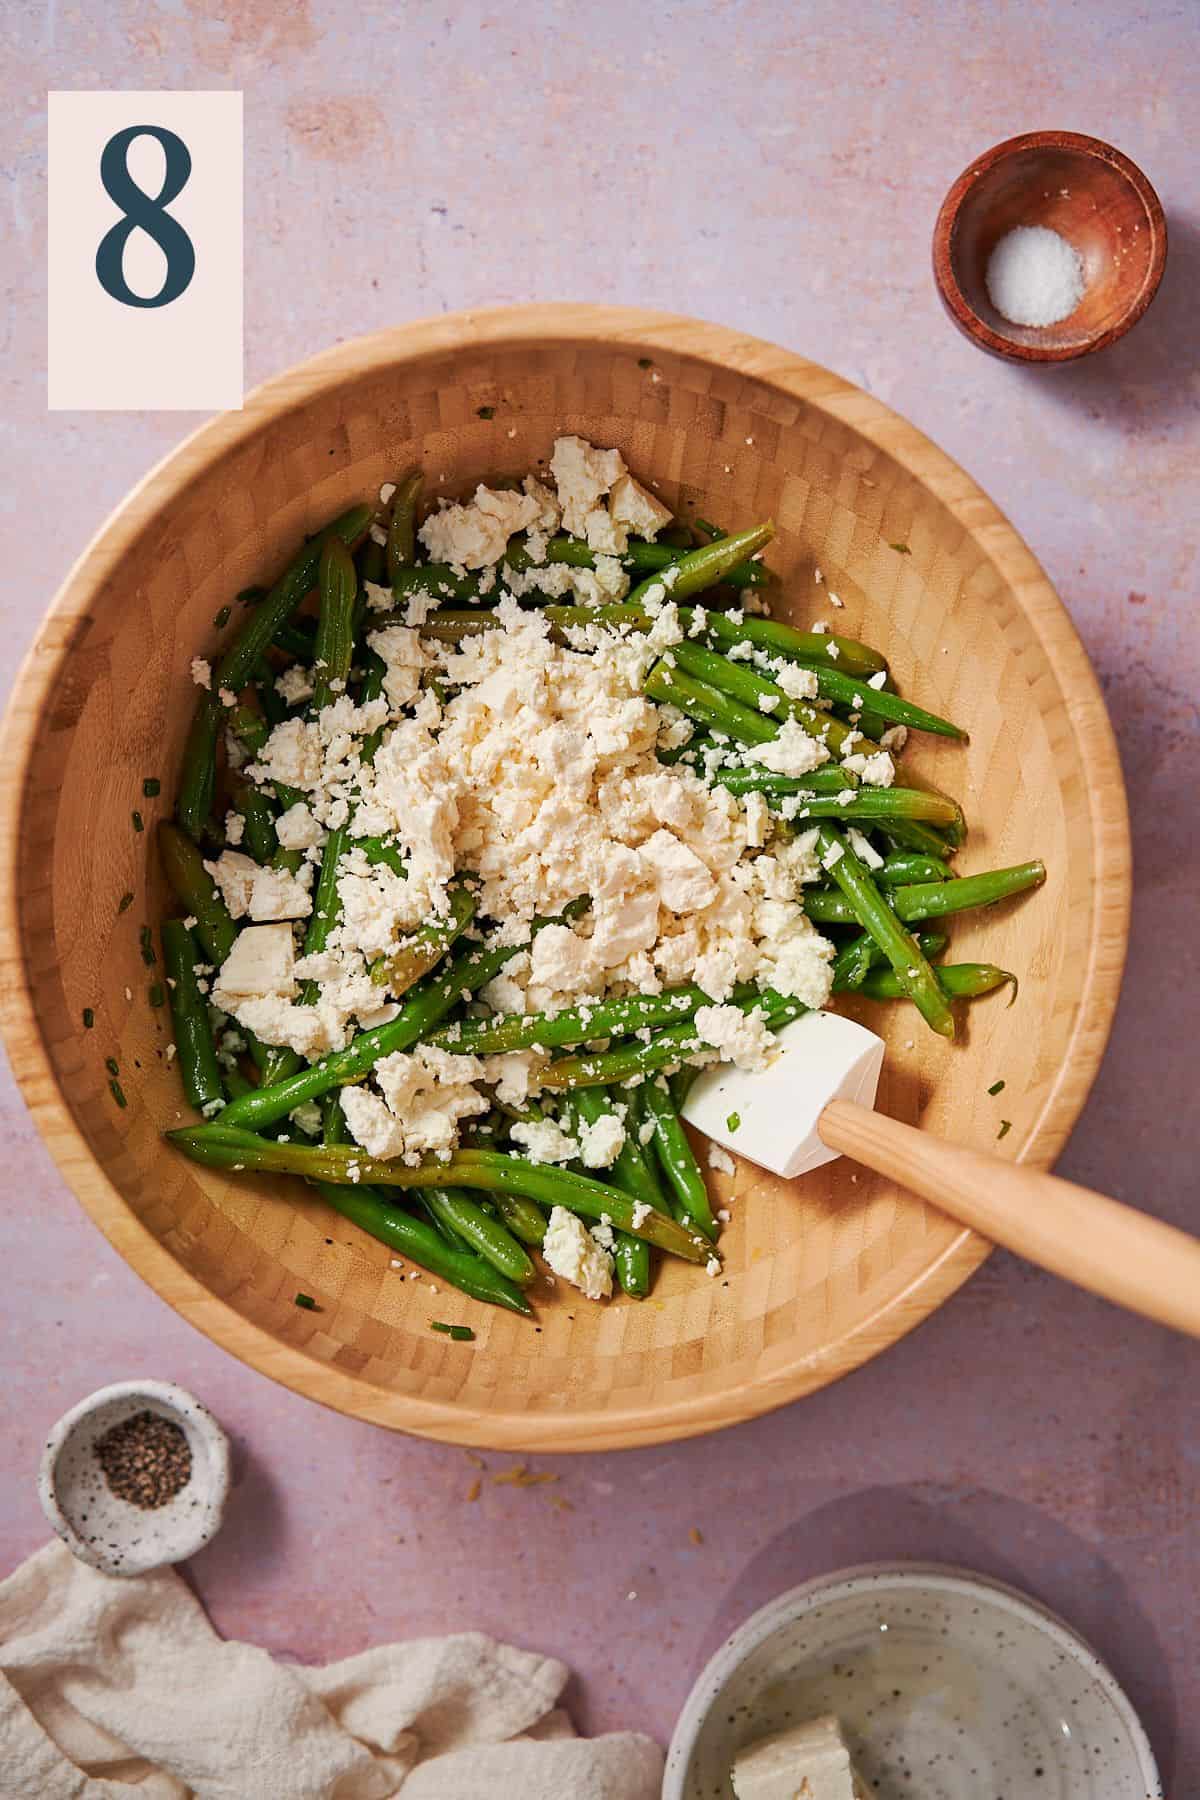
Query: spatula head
{"type": "Point", "coordinates": [770, 1115]}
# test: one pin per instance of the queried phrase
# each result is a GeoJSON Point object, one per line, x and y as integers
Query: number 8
{"type": "Point", "coordinates": [145, 214]}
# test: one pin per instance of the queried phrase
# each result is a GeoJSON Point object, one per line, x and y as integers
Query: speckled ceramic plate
{"type": "Point", "coordinates": [948, 1687]}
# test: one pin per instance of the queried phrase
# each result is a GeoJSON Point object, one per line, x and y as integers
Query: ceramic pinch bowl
{"type": "Point", "coordinates": [947, 1685]}
{"type": "Point", "coordinates": [1090, 194]}
{"type": "Point", "coordinates": [111, 1533]}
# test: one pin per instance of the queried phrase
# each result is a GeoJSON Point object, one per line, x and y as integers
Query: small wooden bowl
{"type": "Point", "coordinates": [819, 1274]}
{"type": "Point", "coordinates": [1091, 195]}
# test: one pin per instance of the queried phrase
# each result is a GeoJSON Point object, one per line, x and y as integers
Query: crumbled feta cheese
{"type": "Point", "coordinates": [791, 752]}
{"type": "Point", "coordinates": [201, 672]}
{"type": "Point", "coordinates": [878, 680]}
{"type": "Point", "coordinates": [474, 535]}
{"type": "Point", "coordinates": [833, 855]}
{"type": "Point", "coordinates": [601, 1143]}
{"type": "Point", "coordinates": [685, 883]}
{"type": "Point", "coordinates": [575, 1256]}
{"type": "Point", "coordinates": [583, 475]}
{"type": "Point", "coordinates": [720, 1160]}
{"type": "Point", "coordinates": [641, 1212]}
{"type": "Point", "coordinates": [235, 826]}
{"type": "Point", "coordinates": [278, 894]}
{"type": "Point", "coordinates": [742, 1038]}
{"type": "Point", "coordinates": [297, 829]}
{"type": "Point", "coordinates": [864, 849]}
{"type": "Point", "coordinates": [877, 771]}
{"type": "Point", "coordinates": [262, 961]}
{"type": "Point", "coordinates": [637, 510]}
{"type": "Point", "coordinates": [295, 684]}
{"type": "Point", "coordinates": [544, 1142]}
{"type": "Point", "coordinates": [799, 683]}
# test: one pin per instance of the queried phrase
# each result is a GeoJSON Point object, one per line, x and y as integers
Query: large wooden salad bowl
{"type": "Point", "coordinates": [820, 1275]}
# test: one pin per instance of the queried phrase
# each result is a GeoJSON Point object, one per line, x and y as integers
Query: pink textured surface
{"type": "Point", "coordinates": [779, 169]}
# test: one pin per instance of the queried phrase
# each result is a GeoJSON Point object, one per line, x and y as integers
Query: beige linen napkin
{"type": "Point", "coordinates": [111, 1688]}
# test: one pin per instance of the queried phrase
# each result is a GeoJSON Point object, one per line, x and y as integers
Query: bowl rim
{"type": "Point", "coordinates": [945, 276]}
{"type": "Point", "coordinates": [795, 1602]}
{"type": "Point", "coordinates": [725, 349]}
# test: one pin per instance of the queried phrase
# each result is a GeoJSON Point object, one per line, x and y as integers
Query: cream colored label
{"type": "Point", "coordinates": [145, 251]}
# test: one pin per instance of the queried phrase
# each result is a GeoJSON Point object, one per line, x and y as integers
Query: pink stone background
{"type": "Point", "coordinates": [777, 168]}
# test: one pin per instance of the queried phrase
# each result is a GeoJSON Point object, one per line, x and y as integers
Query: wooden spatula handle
{"type": "Point", "coordinates": [1098, 1243]}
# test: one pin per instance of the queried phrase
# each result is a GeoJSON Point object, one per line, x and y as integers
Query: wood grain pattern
{"type": "Point", "coordinates": [1113, 1250]}
{"type": "Point", "coordinates": [1078, 186]}
{"type": "Point", "coordinates": [820, 1274]}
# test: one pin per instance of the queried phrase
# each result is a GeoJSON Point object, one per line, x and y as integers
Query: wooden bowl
{"type": "Point", "coordinates": [820, 1274]}
{"type": "Point", "coordinates": [1091, 195]}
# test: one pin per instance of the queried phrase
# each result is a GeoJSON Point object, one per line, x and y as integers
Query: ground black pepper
{"type": "Point", "coordinates": [146, 1459]}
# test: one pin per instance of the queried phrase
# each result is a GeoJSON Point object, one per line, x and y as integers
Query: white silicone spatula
{"type": "Point", "coordinates": [816, 1101]}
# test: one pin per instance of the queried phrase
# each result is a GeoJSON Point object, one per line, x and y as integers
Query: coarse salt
{"type": "Point", "coordinates": [1034, 276]}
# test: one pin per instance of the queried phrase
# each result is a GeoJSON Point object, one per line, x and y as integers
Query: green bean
{"type": "Point", "coordinates": [269, 698]}
{"type": "Point", "coordinates": [326, 910]}
{"type": "Point", "coordinates": [873, 913]}
{"type": "Point", "coordinates": [677, 1158]}
{"type": "Point", "coordinates": [960, 981]}
{"type": "Point", "coordinates": [641, 557]}
{"type": "Point", "coordinates": [380, 1218]}
{"type": "Point", "coordinates": [372, 689]}
{"type": "Point", "coordinates": [421, 952]}
{"type": "Point", "coordinates": [784, 640]}
{"type": "Point", "coordinates": [858, 956]}
{"type": "Point", "coordinates": [705, 566]}
{"type": "Point", "coordinates": [631, 1263]}
{"type": "Point", "coordinates": [524, 1218]}
{"type": "Point", "coordinates": [468, 1221]}
{"type": "Point", "coordinates": [666, 1049]}
{"type": "Point", "coordinates": [333, 649]}
{"type": "Point", "coordinates": [631, 1257]}
{"type": "Point", "coordinates": [298, 637]}
{"type": "Point", "coordinates": [438, 580]}
{"type": "Point", "coordinates": [575, 1025]}
{"type": "Point", "coordinates": [196, 892]}
{"type": "Point", "coordinates": [402, 528]}
{"type": "Point", "coordinates": [910, 834]}
{"type": "Point", "coordinates": [227, 1147]}
{"type": "Point", "coordinates": [735, 679]}
{"type": "Point", "coordinates": [873, 703]}
{"type": "Point", "coordinates": [198, 1066]}
{"type": "Point", "coordinates": [249, 728]}
{"type": "Point", "coordinates": [710, 705]}
{"type": "Point", "coordinates": [903, 868]}
{"type": "Point", "coordinates": [198, 770]}
{"type": "Point", "coordinates": [876, 804]}
{"type": "Point", "coordinates": [471, 969]}
{"type": "Point", "coordinates": [935, 899]}
{"type": "Point", "coordinates": [258, 834]}
{"type": "Point", "coordinates": [334, 1129]}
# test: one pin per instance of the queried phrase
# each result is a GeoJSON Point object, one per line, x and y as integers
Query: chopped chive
{"type": "Point", "coordinates": [485, 412]}
{"type": "Point", "coordinates": [1005, 1128]}
{"type": "Point", "coordinates": [126, 902]}
{"type": "Point", "coordinates": [118, 1093]}
{"type": "Point", "coordinates": [223, 617]}
{"type": "Point", "coordinates": [155, 994]}
{"type": "Point", "coordinates": [250, 596]}
{"type": "Point", "coordinates": [112, 1065]}
{"type": "Point", "coordinates": [307, 1302]}
{"type": "Point", "coordinates": [89, 1018]}
{"type": "Point", "coordinates": [733, 1122]}
{"type": "Point", "coordinates": [146, 940]}
{"type": "Point", "coordinates": [139, 824]}
{"type": "Point", "coordinates": [997, 1087]}
{"type": "Point", "coordinates": [462, 1334]}
{"type": "Point", "coordinates": [644, 362]}
{"type": "Point", "coordinates": [902, 548]}
{"type": "Point", "coordinates": [151, 786]}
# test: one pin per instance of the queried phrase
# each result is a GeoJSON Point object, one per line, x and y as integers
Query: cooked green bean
{"type": "Point", "coordinates": [642, 557]}
{"type": "Point", "coordinates": [524, 1218]}
{"type": "Point", "coordinates": [710, 705]}
{"type": "Point", "coordinates": [666, 1049]}
{"type": "Point", "coordinates": [258, 832]}
{"type": "Point", "coordinates": [843, 690]}
{"type": "Point", "coordinates": [784, 640]}
{"type": "Point", "coordinates": [198, 1066]}
{"type": "Point", "coordinates": [232, 672]}
{"type": "Point", "coordinates": [402, 527]}
{"type": "Point", "coordinates": [705, 566]}
{"type": "Point", "coordinates": [935, 899]}
{"type": "Point", "coordinates": [224, 1146]}
{"type": "Point", "coordinates": [873, 913]}
{"type": "Point", "coordinates": [583, 1024]}
{"type": "Point", "coordinates": [677, 1158]}
{"type": "Point", "coordinates": [196, 892]}
{"type": "Point", "coordinates": [333, 650]}
{"type": "Point", "coordinates": [743, 684]}
{"type": "Point", "coordinates": [380, 1218]}
{"type": "Point", "coordinates": [911, 834]}
{"type": "Point", "coordinates": [438, 580]}
{"type": "Point", "coordinates": [426, 947]}
{"type": "Point", "coordinates": [487, 1238]}
{"type": "Point", "coordinates": [905, 867]}
{"type": "Point", "coordinates": [858, 956]}
{"type": "Point", "coordinates": [326, 910]}
{"type": "Point", "coordinates": [378, 851]}
{"type": "Point", "coordinates": [960, 981]}
{"type": "Point", "coordinates": [882, 804]}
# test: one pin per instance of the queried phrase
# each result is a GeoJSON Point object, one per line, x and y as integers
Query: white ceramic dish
{"type": "Point", "coordinates": [108, 1532]}
{"type": "Point", "coordinates": [949, 1687]}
